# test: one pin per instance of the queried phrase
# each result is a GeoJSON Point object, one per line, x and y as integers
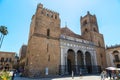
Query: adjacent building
{"type": "Point", "coordinates": [7, 60]}
{"type": "Point", "coordinates": [22, 57]}
{"type": "Point", "coordinates": [113, 56]}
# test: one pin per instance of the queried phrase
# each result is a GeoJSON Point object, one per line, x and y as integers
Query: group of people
{"type": "Point", "coordinates": [112, 74]}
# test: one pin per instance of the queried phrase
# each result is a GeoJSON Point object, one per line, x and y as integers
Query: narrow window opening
{"type": "Point", "coordinates": [55, 17]}
{"type": "Point", "coordinates": [48, 15]}
{"type": "Point", "coordinates": [95, 30]}
{"type": "Point", "coordinates": [86, 30]}
{"type": "Point", "coordinates": [48, 32]}
{"type": "Point", "coordinates": [47, 47]}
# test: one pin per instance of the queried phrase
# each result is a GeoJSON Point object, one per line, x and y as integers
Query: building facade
{"type": "Point", "coordinates": [53, 50]}
{"type": "Point", "coordinates": [77, 54]}
{"type": "Point", "coordinates": [113, 56]}
{"type": "Point", "coordinates": [7, 60]}
{"type": "Point", "coordinates": [22, 58]}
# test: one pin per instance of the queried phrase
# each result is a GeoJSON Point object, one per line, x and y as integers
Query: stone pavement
{"type": "Point", "coordinates": [91, 77]}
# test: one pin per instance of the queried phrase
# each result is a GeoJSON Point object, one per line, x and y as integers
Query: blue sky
{"type": "Point", "coordinates": [17, 14]}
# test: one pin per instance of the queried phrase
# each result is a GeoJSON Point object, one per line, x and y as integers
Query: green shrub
{"type": "Point", "coordinates": [4, 75]}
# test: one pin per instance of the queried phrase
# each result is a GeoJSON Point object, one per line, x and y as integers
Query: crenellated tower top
{"type": "Point", "coordinates": [46, 12]}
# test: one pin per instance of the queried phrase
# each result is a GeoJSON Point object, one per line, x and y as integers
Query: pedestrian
{"type": "Point", "coordinates": [110, 75]}
{"type": "Point", "coordinates": [105, 72]}
{"type": "Point", "coordinates": [72, 75]}
{"type": "Point", "coordinates": [113, 75]}
{"type": "Point", "coordinates": [102, 75]}
{"type": "Point", "coordinates": [12, 74]}
{"type": "Point", "coordinates": [80, 73]}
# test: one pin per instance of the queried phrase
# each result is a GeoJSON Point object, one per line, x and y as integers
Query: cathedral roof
{"type": "Point", "coordinates": [66, 31]}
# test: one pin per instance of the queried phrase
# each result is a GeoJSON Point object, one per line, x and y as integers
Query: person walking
{"type": "Point", "coordinates": [72, 75]}
{"type": "Point", "coordinates": [113, 75]}
{"type": "Point", "coordinates": [11, 73]}
{"type": "Point", "coordinates": [80, 73]}
{"type": "Point", "coordinates": [109, 73]}
{"type": "Point", "coordinates": [103, 75]}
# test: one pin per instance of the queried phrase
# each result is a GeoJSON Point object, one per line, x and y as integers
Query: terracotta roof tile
{"type": "Point", "coordinates": [68, 32]}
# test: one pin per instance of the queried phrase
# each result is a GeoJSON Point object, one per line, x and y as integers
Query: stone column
{"type": "Point", "coordinates": [84, 58]}
{"type": "Point", "coordinates": [92, 61]}
{"type": "Point", "coordinates": [66, 67]}
{"type": "Point", "coordinates": [95, 62]}
{"type": "Point", "coordinates": [62, 68]}
{"type": "Point", "coordinates": [95, 59]}
{"type": "Point", "coordinates": [85, 69]}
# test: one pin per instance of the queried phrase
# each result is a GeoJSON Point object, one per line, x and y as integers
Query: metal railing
{"type": "Point", "coordinates": [86, 69]}
{"type": "Point", "coordinates": [116, 61]}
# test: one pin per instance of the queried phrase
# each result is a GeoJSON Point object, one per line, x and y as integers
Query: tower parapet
{"type": "Point", "coordinates": [47, 12]}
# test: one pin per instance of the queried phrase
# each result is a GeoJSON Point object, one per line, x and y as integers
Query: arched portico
{"type": "Point", "coordinates": [70, 61]}
{"type": "Point", "coordinates": [74, 59]}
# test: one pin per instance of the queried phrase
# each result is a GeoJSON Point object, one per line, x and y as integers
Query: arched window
{"type": "Point", "coordinates": [85, 22]}
{"type": "Point", "coordinates": [55, 16]}
{"type": "Point", "coordinates": [116, 56]}
{"type": "Point", "coordinates": [115, 52]}
{"type": "Point", "coordinates": [2, 59]}
{"type": "Point", "coordinates": [94, 30]}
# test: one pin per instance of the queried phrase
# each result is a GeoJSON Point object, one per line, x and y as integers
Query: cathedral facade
{"type": "Point", "coordinates": [53, 50]}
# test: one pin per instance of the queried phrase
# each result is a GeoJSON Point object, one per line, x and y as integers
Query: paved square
{"type": "Point", "coordinates": [92, 77]}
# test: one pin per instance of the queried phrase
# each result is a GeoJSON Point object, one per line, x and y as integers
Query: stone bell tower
{"type": "Point", "coordinates": [90, 31]}
{"type": "Point", "coordinates": [43, 52]}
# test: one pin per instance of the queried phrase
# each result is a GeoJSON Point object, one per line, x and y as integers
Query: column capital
{"type": "Point", "coordinates": [83, 51]}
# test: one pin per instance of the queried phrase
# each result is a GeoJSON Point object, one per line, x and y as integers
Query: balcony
{"type": "Point", "coordinates": [116, 61]}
